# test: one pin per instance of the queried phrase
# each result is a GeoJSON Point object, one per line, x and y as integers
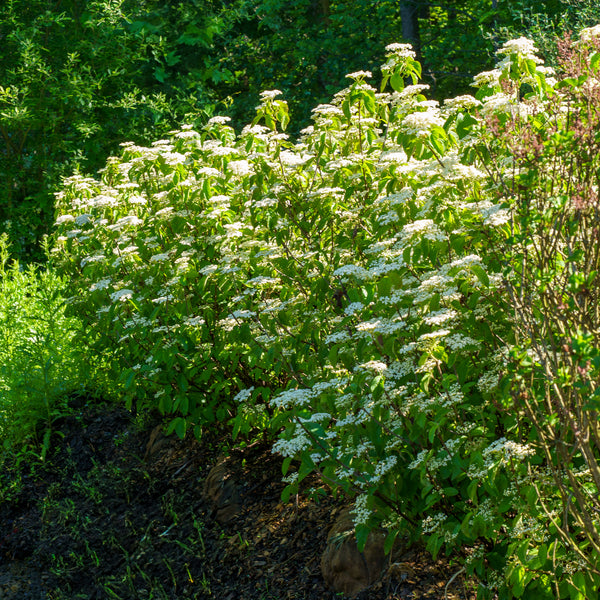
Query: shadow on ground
{"type": "Point", "coordinates": [119, 513]}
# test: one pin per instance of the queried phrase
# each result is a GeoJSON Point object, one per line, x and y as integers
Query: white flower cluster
{"type": "Point", "coordinates": [432, 523]}
{"type": "Point", "coordinates": [420, 123]}
{"type": "Point", "coordinates": [292, 398]}
{"type": "Point", "coordinates": [401, 50]}
{"type": "Point", "coordinates": [361, 510]}
{"type": "Point", "coordinates": [360, 75]}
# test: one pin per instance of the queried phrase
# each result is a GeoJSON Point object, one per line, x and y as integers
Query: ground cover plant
{"type": "Point", "coordinates": [40, 362]}
{"type": "Point", "coordinates": [385, 298]}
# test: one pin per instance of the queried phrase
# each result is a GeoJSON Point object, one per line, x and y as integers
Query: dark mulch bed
{"type": "Point", "coordinates": [116, 512]}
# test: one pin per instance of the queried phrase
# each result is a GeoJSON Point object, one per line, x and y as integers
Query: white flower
{"type": "Point", "coordinates": [82, 219]}
{"type": "Point", "coordinates": [164, 211]}
{"type": "Point", "coordinates": [457, 341]}
{"type": "Point", "coordinates": [353, 308]}
{"type": "Point", "coordinates": [328, 110]}
{"type": "Point", "coordinates": [129, 220]}
{"type": "Point", "coordinates": [291, 447]}
{"type": "Point", "coordinates": [508, 449]}
{"type": "Point", "coordinates": [348, 271]}
{"type": "Point", "coordinates": [159, 257]}
{"type": "Point", "coordinates": [424, 228]}
{"type": "Point", "coordinates": [243, 395]}
{"type": "Point", "coordinates": [440, 317]}
{"type": "Point", "coordinates": [240, 167]}
{"type": "Point", "coordinates": [209, 172]}
{"type": "Point", "coordinates": [193, 321]}
{"type": "Point", "coordinates": [387, 218]}
{"type": "Point", "coordinates": [242, 314]}
{"type": "Point", "coordinates": [101, 285]}
{"type": "Point", "coordinates": [359, 75]}
{"type": "Point", "coordinates": [418, 459]}
{"type": "Point", "coordinates": [361, 511]}
{"type": "Point", "coordinates": [290, 398]}
{"type": "Point", "coordinates": [90, 259]}
{"type": "Point", "coordinates": [254, 130]}
{"type": "Point", "coordinates": [337, 337]}
{"type": "Point", "coordinates": [499, 102]}
{"type": "Point", "coordinates": [64, 219]}
{"type": "Point", "coordinates": [465, 102]}
{"type": "Point", "coordinates": [261, 280]}
{"type": "Point", "coordinates": [270, 94]}
{"type": "Point", "coordinates": [420, 123]}
{"type": "Point", "coordinates": [489, 381]}
{"type": "Point", "coordinates": [433, 523]}
{"type": "Point", "coordinates": [218, 120]}
{"type": "Point", "coordinates": [121, 295]}
{"type": "Point", "coordinates": [589, 33]}
{"type": "Point", "coordinates": [316, 418]}
{"type": "Point", "coordinates": [293, 159]}
{"type": "Point", "coordinates": [433, 335]}
{"type": "Point", "coordinates": [379, 325]}
{"type": "Point", "coordinates": [372, 365]}
{"type": "Point", "coordinates": [487, 78]}
{"type": "Point", "coordinates": [521, 45]}
{"type": "Point", "coordinates": [405, 50]}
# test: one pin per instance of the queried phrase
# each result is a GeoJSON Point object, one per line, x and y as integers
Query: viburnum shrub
{"type": "Point", "coordinates": [353, 294]}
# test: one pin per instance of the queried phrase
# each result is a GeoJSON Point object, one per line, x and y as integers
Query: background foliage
{"type": "Point", "coordinates": [78, 78]}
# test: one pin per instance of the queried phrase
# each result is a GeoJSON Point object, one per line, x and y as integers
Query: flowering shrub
{"type": "Point", "coordinates": [351, 293]}
{"type": "Point", "coordinates": [554, 297]}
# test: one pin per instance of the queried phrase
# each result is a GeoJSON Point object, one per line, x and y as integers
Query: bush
{"type": "Point", "coordinates": [353, 296]}
{"type": "Point", "coordinates": [39, 360]}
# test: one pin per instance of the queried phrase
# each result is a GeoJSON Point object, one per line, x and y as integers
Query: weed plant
{"type": "Point", "coordinates": [40, 362]}
{"type": "Point", "coordinates": [384, 298]}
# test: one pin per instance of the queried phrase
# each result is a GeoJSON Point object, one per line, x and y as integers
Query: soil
{"type": "Point", "coordinates": [118, 512]}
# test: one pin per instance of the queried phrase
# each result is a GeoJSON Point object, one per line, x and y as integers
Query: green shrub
{"type": "Point", "coordinates": [554, 293]}
{"type": "Point", "coordinates": [353, 295]}
{"type": "Point", "coordinates": [39, 360]}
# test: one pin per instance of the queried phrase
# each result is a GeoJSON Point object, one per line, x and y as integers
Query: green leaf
{"type": "Point", "coordinates": [578, 587]}
{"type": "Point", "coordinates": [286, 493]}
{"type": "Point", "coordinates": [397, 82]}
{"type": "Point", "coordinates": [389, 541]}
{"type": "Point", "coordinates": [346, 109]}
{"type": "Point", "coordinates": [481, 275]}
{"type": "Point", "coordinates": [179, 425]}
{"type": "Point", "coordinates": [361, 533]}
{"type": "Point", "coordinates": [370, 104]}
{"type": "Point", "coordinates": [517, 579]}
{"type": "Point", "coordinates": [472, 491]}
{"type": "Point", "coordinates": [285, 465]}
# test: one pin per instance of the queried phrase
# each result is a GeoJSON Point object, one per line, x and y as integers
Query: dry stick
{"type": "Point", "coordinates": [450, 582]}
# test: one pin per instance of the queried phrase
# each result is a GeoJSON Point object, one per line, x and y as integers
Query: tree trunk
{"type": "Point", "coordinates": [321, 11]}
{"type": "Point", "coordinates": [409, 14]}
